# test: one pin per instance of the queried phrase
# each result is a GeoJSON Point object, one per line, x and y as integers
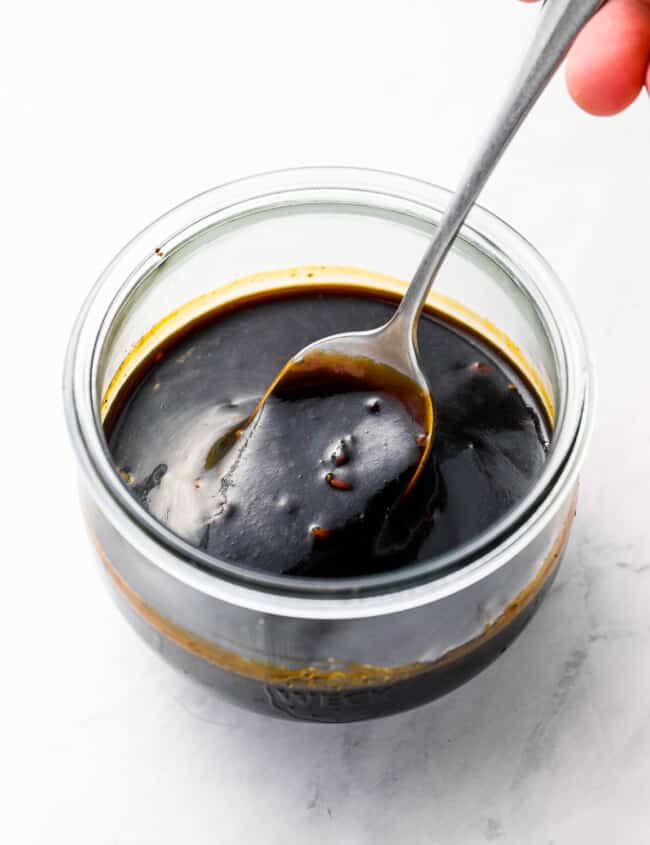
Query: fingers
{"type": "Point", "coordinates": [609, 62]}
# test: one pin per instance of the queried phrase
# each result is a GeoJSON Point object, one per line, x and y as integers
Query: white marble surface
{"type": "Point", "coordinates": [113, 112]}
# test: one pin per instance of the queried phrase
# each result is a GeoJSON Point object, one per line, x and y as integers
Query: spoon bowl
{"type": "Point", "coordinates": [383, 359]}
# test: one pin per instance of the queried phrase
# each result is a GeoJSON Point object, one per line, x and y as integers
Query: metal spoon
{"type": "Point", "coordinates": [387, 357]}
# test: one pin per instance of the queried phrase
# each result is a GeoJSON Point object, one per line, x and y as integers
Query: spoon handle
{"type": "Point", "coordinates": [560, 23]}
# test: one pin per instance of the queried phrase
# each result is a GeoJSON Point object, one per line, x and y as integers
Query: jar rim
{"type": "Point", "coordinates": [412, 584]}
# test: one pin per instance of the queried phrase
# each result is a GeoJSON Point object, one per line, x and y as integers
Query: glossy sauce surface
{"type": "Point", "coordinates": [314, 485]}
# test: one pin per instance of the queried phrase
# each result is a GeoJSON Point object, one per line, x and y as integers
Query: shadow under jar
{"type": "Point", "coordinates": [343, 648]}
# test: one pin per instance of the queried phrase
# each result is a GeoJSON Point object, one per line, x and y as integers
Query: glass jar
{"type": "Point", "coordinates": [343, 649]}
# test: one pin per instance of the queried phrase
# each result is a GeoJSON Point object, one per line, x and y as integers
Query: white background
{"type": "Point", "coordinates": [110, 113]}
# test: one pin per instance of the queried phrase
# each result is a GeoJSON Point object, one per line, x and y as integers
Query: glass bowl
{"type": "Point", "coordinates": [343, 649]}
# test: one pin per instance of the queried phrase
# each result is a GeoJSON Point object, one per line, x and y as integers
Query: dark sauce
{"type": "Point", "coordinates": [314, 484]}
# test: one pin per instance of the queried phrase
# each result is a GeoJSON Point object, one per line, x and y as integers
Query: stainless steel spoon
{"type": "Point", "coordinates": [388, 356]}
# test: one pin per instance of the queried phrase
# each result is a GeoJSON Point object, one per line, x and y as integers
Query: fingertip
{"type": "Point", "coordinates": [608, 64]}
{"type": "Point", "coordinates": [595, 90]}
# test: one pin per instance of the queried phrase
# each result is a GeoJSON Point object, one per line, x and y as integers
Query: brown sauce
{"type": "Point", "coordinates": [314, 484]}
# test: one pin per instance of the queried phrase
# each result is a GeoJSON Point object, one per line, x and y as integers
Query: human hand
{"type": "Point", "coordinates": [609, 63]}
